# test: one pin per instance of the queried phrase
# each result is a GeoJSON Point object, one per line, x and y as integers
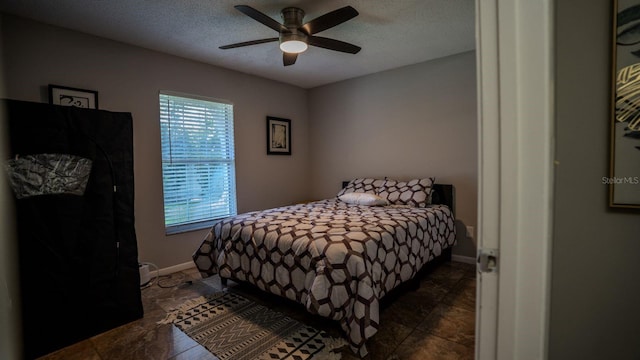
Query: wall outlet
{"type": "Point", "coordinates": [470, 231]}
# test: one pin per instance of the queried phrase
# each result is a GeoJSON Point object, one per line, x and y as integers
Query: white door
{"type": "Point", "coordinates": [515, 88]}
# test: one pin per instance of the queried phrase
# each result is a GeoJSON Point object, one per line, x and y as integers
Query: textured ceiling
{"type": "Point", "coordinates": [391, 33]}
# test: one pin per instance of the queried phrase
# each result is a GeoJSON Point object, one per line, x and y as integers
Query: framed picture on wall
{"type": "Point", "coordinates": [278, 136]}
{"type": "Point", "coordinates": [67, 96]}
{"type": "Point", "coordinates": [624, 176]}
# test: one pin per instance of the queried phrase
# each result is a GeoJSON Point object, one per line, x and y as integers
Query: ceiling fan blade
{"type": "Point", "coordinates": [247, 43]}
{"type": "Point", "coordinates": [332, 44]}
{"type": "Point", "coordinates": [262, 18]}
{"type": "Point", "coordinates": [289, 58]}
{"type": "Point", "coordinates": [329, 20]}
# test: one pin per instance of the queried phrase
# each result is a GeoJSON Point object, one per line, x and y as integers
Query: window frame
{"type": "Point", "coordinates": [198, 224]}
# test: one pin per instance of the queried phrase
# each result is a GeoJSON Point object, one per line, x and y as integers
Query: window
{"type": "Point", "coordinates": [198, 162]}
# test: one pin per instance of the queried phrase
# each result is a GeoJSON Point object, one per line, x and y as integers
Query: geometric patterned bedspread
{"type": "Point", "coordinates": [336, 259]}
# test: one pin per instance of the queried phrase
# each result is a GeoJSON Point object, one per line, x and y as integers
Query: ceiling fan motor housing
{"type": "Point", "coordinates": [292, 19]}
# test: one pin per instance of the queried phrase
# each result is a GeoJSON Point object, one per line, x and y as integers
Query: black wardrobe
{"type": "Point", "coordinates": [71, 174]}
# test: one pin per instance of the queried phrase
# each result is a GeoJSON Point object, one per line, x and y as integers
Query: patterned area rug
{"type": "Point", "coordinates": [232, 327]}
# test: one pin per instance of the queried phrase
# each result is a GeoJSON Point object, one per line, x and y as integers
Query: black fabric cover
{"type": "Point", "coordinates": [78, 255]}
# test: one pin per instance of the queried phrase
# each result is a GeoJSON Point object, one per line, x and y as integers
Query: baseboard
{"type": "Point", "coordinates": [176, 268]}
{"type": "Point", "coordinates": [463, 259]}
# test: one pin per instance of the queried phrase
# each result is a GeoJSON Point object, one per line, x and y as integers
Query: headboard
{"type": "Point", "coordinates": [443, 194]}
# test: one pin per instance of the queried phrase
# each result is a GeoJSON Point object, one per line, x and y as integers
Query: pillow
{"type": "Point", "coordinates": [359, 198]}
{"type": "Point", "coordinates": [362, 185]}
{"type": "Point", "coordinates": [416, 192]}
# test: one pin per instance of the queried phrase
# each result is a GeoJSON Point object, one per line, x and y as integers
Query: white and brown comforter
{"type": "Point", "coordinates": [336, 259]}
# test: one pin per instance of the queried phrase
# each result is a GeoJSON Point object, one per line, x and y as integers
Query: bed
{"type": "Point", "coordinates": [338, 256]}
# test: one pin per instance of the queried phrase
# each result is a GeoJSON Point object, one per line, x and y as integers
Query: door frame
{"type": "Point", "coordinates": [515, 65]}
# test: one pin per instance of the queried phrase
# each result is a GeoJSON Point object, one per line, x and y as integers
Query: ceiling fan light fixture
{"type": "Point", "coordinates": [293, 46]}
{"type": "Point", "coordinates": [293, 41]}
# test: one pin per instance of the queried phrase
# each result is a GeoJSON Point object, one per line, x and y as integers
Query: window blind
{"type": "Point", "coordinates": [198, 162]}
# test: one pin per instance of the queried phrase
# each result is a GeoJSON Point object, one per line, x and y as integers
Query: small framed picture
{"type": "Point", "coordinates": [278, 136]}
{"type": "Point", "coordinates": [66, 96]}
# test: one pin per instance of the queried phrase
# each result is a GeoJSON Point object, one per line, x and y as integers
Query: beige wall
{"type": "Point", "coordinates": [595, 286]}
{"type": "Point", "coordinates": [415, 121]}
{"type": "Point", "coordinates": [128, 79]}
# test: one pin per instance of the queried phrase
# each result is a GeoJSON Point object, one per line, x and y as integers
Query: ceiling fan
{"type": "Point", "coordinates": [294, 36]}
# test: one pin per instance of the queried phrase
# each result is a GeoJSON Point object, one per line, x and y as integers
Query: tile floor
{"type": "Point", "coordinates": [436, 321]}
